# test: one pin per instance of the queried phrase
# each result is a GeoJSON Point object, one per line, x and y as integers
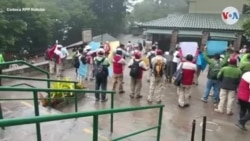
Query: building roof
{"type": "Point", "coordinates": [100, 38]}
{"type": "Point", "coordinates": [192, 21]}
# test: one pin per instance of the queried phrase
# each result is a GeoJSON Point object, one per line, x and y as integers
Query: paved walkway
{"type": "Point", "coordinates": [176, 124]}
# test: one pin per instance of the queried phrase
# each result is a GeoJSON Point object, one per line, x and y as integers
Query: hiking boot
{"type": "Point", "coordinates": [180, 106]}
{"type": "Point", "coordinates": [218, 111]}
{"type": "Point", "coordinates": [132, 96]}
{"type": "Point", "coordinates": [242, 127]}
{"type": "Point", "coordinates": [204, 100]}
{"type": "Point", "coordinates": [158, 102]}
{"type": "Point", "coordinates": [186, 105]}
{"type": "Point", "coordinates": [121, 92]}
{"type": "Point", "coordinates": [149, 101]}
{"type": "Point", "coordinates": [138, 97]}
{"type": "Point", "coordinates": [104, 100]}
{"type": "Point", "coordinates": [230, 113]}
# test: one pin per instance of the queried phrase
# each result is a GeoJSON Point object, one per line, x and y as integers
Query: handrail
{"type": "Point", "coordinates": [35, 99]}
{"type": "Point", "coordinates": [95, 114]}
{"type": "Point", "coordinates": [32, 66]}
{"type": "Point", "coordinates": [35, 79]}
{"type": "Point", "coordinates": [4, 88]}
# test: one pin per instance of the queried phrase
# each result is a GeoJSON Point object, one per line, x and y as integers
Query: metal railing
{"type": "Point", "coordinates": [36, 103]}
{"type": "Point", "coordinates": [32, 66]}
{"type": "Point", "coordinates": [95, 114]}
{"type": "Point", "coordinates": [39, 79]}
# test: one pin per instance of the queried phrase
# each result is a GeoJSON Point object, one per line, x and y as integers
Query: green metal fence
{"type": "Point", "coordinates": [95, 114]}
{"type": "Point", "coordinates": [30, 65]}
{"type": "Point", "coordinates": [36, 104]}
{"type": "Point", "coordinates": [42, 80]}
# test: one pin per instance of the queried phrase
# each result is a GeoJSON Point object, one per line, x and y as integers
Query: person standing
{"type": "Point", "coordinates": [52, 57]}
{"type": "Point", "coordinates": [245, 66]}
{"type": "Point", "coordinates": [89, 61]}
{"type": "Point", "coordinates": [101, 64]}
{"type": "Point", "coordinates": [118, 67]}
{"type": "Point", "coordinates": [151, 54]}
{"type": "Point", "coordinates": [229, 77]}
{"type": "Point", "coordinates": [176, 60]}
{"type": "Point", "coordinates": [1, 66]}
{"type": "Point", "coordinates": [137, 66]}
{"type": "Point", "coordinates": [83, 67]}
{"type": "Point", "coordinates": [212, 81]}
{"type": "Point", "coordinates": [65, 54]}
{"type": "Point", "coordinates": [244, 100]}
{"type": "Point", "coordinates": [59, 56]}
{"type": "Point", "coordinates": [156, 80]}
{"type": "Point", "coordinates": [188, 73]}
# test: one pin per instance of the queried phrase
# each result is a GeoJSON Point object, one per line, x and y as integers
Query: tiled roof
{"type": "Point", "coordinates": [193, 21]}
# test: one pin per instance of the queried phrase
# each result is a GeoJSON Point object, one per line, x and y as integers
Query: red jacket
{"type": "Point", "coordinates": [117, 65]}
{"type": "Point", "coordinates": [244, 88]}
{"type": "Point", "coordinates": [188, 72]}
{"type": "Point", "coordinates": [51, 52]}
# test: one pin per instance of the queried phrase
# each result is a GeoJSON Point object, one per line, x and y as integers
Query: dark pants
{"type": "Point", "coordinates": [168, 72]}
{"type": "Point", "coordinates": [244, 112]}
{"type": "Point", "coordinates": [101, 83]}
{"type": "Point", "coordinates": [1, 72]}
{"type": "Point", "coordinates": [173, 68]}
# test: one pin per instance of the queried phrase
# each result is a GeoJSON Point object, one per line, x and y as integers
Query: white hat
{"type": "Point", "coordinates": [87, 47]}
{"type": "Point", "coordinates": [59, 46]}
{"type": "Point", "coordinates": [166, 53]}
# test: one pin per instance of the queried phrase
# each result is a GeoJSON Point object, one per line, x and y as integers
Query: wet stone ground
{"type": "Point", "coordinates": [176, 125]}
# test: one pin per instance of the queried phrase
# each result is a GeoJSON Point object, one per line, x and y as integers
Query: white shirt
{"type": "Point", "coordinates": [59, 53]}
{"type": "Point", "coordinates": [65, 52]}
{"type": "Point", "coordinates": [151, 52]}
{"type": "Point", "coordinates": [176, 59]}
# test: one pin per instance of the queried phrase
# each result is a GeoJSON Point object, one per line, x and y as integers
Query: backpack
{"type": "Point", "coordinates": [159, 68]}
{"type": "Point", "coordinates": [76, 61]}
{"type": "Point", "coordinates": [213, 72]}
{"type": "Point", "coordinates": [135, 69]}
{"type": "Point", "coordinates": [101, 71]}
{"type": "Point", "coordinates": [152, 55]}
{"type": "Point", "coordinates": [177, 77]}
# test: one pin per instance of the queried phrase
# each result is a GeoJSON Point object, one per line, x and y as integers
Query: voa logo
{"type": "Point", "coordinates": [230, 15]}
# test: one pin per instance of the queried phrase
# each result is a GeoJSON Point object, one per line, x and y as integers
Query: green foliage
{"type": "Point", "coordinates": [63, 20]}
{"type": "Point", "coordinates": [246, 24]}
{"type": "Point", "coordinates": [110, 15]}
{"type": "Point", "coordinates": [151, 9]}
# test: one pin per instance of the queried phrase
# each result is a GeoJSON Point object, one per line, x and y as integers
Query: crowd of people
{"type": "Point", "coordinates": [228, 73]}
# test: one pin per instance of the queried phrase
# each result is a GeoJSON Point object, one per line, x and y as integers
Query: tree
{"type": "Point", "coordinates": [154, 9]}
{"type": "Point", "coordinates": [110, 15]}
{"type": "Point", "coordinates": [246, 24]}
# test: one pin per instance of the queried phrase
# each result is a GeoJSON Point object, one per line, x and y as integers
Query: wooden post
{"type": "Point", "coordinates": [205, 35]}
{"type": "Point", "coordinates": [237, 41]}
{"type": "Point", "coordinates": [173, 41]}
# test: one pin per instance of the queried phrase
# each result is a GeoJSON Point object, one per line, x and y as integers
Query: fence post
{"type": "Point", "coordinates": [95, 128]}
{"type": "Point", "coordinates": [76, 97]}
{"type": "Point", "coordinates": [112, 115]}
{"type": "Point", "coordinates": [204, 124]}
{"type": "Point", "coordinates": [1, 115]}
{"type": "Point", "coordinates": [36, 108]}
{"type": "Point", "coordinates": [159, 124]}
{"type": "Point", "coordinates": [193, 130]}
